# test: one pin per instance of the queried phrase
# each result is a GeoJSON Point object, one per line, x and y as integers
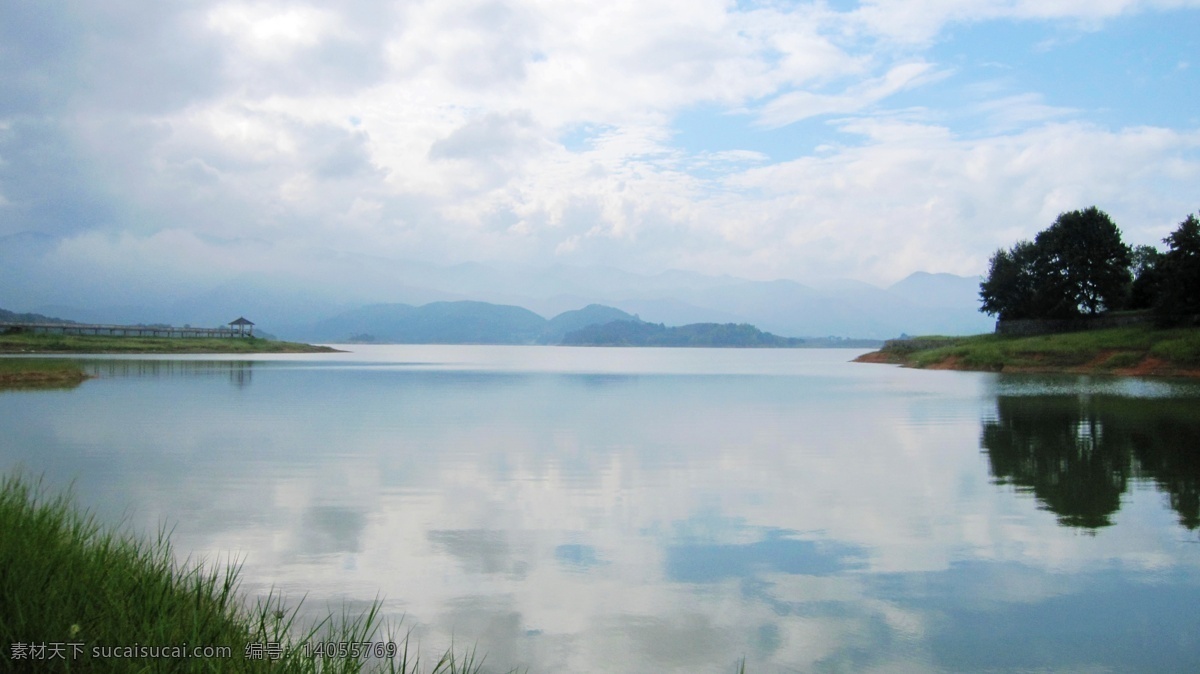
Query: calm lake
{"type": "Point", "coordinates": [664, 510]}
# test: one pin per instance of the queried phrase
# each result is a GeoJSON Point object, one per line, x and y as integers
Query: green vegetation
{"type": "Point", "coordinates": [1177, 272]}
{"type": "Point", "coordinates": [1141, 350]}
{"type": "Point", "coordinates": [1079, 266]}
{"type": "Point", "coordinates": [39, 372]}
{"type": "Point", "coordinates": [43, 372]}
{"type": "Point", "coordinates": [638, 333]}
{"type": "Point", "coordinates": [463, 322]}
{"type": "Point", "coordinates": [24, 342]}
{"type": "Point", "coordinates": [65, 580]}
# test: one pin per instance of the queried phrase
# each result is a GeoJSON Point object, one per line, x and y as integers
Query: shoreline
{"type": "Point", "coordinates": [21, 372]}
{"type": "Point", "coordinates": [14, 344]}
{"type": "Point", "coordinates": [38, 376]}
{"type": "Point", "coordinates": [1122, 352]}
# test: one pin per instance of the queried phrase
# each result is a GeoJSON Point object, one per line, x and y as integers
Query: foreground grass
{"type": "Point", "coordinates": [54, 343]}
{"type": "Point", "coordinates": [66, 581]}
{"type": "Point", "coordinates": [40, 372]}
{"type": "Point", "coordinates": [1140, 350]}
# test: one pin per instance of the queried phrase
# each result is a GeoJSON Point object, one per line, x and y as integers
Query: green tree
{"type": "Point", "coordinates": [1146, 265]}
{"type": "Point", "coordinates": [1083, 266]}
{"type": "Point", "coordinates": [1010, 290]}
{"type": "Point", "coordinates": [1076, 265]}
{"type": "Point", "coordinates": [1179, 293]}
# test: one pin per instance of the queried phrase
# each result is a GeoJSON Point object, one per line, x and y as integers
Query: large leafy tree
{"type": "Point", "coordinates": [1010, 290]}
{"type": "Point", "coordinates": [1179, 290]}
{"type": "Point", "coordinates": [1083, 266]}
{"type": "Point", "coordinates": [1146, 265]}
{"type": "Point", "coordinates": [1077, 265]}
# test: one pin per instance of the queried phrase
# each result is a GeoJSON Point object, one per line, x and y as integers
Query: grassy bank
{"type": "Point", "coordinates": [39, 372]}
{"type": "Point", "coordinates": [104, 600]}
{"type": "Point", "coordinates": [53, 343]}
{"type": "Point", "coordinates": [1140, 351]}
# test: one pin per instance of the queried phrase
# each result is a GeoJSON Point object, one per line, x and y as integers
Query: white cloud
{"type": "Point", "coordinates": [450, 145]}
{"type": "Point", "coordinates": [910, 196]}
{"type": "Point", "coordinates": [798, 105]}
{"type": "Point", "coordinates": [272, 33]}
{"type": "Point", "coordinates": [917, 197]}
{"type": "Point", "coordinates": [1020, 111]}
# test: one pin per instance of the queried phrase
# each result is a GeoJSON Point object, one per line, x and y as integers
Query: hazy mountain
{"type": "Point", "coordinates": [939, 290]}
{"type": "Point", "coordinates": [843, 308]}
{"type": "Point", "coordinates": [13, 317]}
{"type": "Point", "coordinates": [569, 321]}
{"type": "Point", "coordinates": [639, 333]}
{"type": "Point", "coordinates": [435, 323]}
{"type": "Point", "coordinates": [27, 245]}
{"type": "Point", "coordinates": [461, 322]}
{"type": "Point", "coordinates": [290, 302]}
{"type": "Point", "coordinates": [673, 311]}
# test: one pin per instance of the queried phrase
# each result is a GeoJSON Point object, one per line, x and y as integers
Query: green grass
{"type": "Point", "coordinates": [1122, 359]}
{"type": "Point", "coordinates": [1106, 349]}
{"type": "Point", "coordinates": [64, 579]}
{"type": "Point", "coordinates": [52, 372]}
{"type": "Point", "coordinates": [1184, 349]}
{"type": "Point", "coordinates": [56, 343]}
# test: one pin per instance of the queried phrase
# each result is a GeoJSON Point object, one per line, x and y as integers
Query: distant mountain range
{"type": "Point", "coordinates": [306, 303]}
{"type": "Point", "coordinates": [463, 322]}
{"type": "Point", "coordinates": [11, 317]}
{"type": "Point", "coordinates": [640, 333]}
{"type": "Point", "coordinates": [485, 323]}
{"type": "Point", "coordinates": [920, 304]}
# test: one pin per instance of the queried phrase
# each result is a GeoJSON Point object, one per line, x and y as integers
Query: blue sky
{"type": "Point", "coordinates": [864, 140]}
{"type": "Point", "coordinates": [1133, 72]}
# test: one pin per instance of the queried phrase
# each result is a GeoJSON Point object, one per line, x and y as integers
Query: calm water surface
{"type": "Point", "coordinates": [664, 510]}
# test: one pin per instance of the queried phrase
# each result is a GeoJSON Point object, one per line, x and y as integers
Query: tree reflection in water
{"type": "Point", "coordinates": [1077, 454]}
{"type": "Point", "coordinates": [240, 372]}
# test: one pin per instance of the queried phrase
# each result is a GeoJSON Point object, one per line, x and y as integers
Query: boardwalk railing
{"type": "Point", "coordinates": [122, 330]}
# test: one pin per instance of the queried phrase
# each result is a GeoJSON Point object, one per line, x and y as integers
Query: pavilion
{"type": "Point", "coordinates": [243, 327]}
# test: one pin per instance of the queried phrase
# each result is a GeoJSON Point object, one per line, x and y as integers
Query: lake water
{"type": "Point", "coordinates": [664, 510]}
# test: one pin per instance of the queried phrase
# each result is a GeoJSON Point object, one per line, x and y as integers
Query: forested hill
{"type": "Point", "coordinates": [456, 323]}
{"type": "Point", "coordinates": [638, 333]}
{"type": "Point", "coordinates": [485, 323]}
{"type": "Point", "coordinates": [12, 317]}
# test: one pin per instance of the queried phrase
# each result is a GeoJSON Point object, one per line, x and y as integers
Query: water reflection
{"type": "Point", "coordinates": [239, 372]}
{"type": "Point", "coordinates": [777, 552]}
{"type": "Point", "coordinates": [1078, 454]}
{"type": "Point", "coordinates": [31, 387]}
{"type": "Point", "coordinates": [668, 516]}
{"type": "Point", "coordinates": [333, 529]}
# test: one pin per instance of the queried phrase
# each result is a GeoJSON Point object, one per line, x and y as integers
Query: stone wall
{"type": "Point", "coordinates": [1043, 326]}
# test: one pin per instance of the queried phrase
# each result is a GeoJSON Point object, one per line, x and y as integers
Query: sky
{"type": "Point", "coordinates": [193, 140]}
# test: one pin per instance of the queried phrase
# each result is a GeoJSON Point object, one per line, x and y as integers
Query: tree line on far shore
{"type": "Point", "coordinates": [641, 333]}
{"type": "Point", "coordinates": [1079, 266]}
